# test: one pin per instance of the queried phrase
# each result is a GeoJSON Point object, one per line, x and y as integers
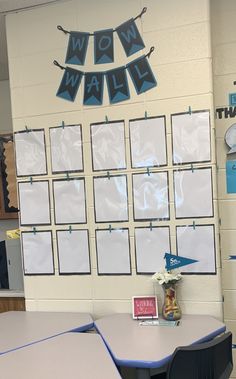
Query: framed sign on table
{"type": "Point", "coordinates": [144, 307]}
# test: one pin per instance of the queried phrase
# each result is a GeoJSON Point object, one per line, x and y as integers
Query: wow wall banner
{"type": "Point", "coordinates": [117, 85]}
{"type": "Point", "coordinates": [129, 37]}
{"type": "Point", "coordinates": [141, 74]}
{"type": "Point", "coordinates": [69, 84]}
{"type": "Point", "coordinates": [77, 48]}
{"type": "Point", "coordinates": [93, 88]}
{"type": "Point", "coordinates": [103, 46]}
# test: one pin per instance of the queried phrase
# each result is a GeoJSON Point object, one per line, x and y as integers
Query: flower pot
{"type": "Point", "coordinates": [171, 310]}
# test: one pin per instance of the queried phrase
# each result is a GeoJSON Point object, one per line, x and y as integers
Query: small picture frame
{"type": "Point", "coordinates": [144, 307]}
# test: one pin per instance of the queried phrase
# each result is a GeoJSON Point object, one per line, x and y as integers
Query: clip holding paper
{"type": "Point", "coordinates": [106, 119]}
{"type": "Point", "coordinates": [110, 228]}
{"type": "Point", "coordinates": [190, 110]}
{"type": "Point", "coordinates": [148, 171]}
{"type": "Point", "coordinates": [67, 176]}
{"type": "Point", "coordinates": [192, 168]}
{"type": "Point", "coordinates": [27, 129]}
{"type": "Point", "coordinates": [194, 225]}
{"type": "Point", "coordinates": [34, 230]}
{"type": "Point", "coordinates": [63, 124]}
{"type": "Point", "coordinates": [31, 180]}
{"type": "Point", "coordinates": [108, 175]}
{"type": "Point", "coordinates": [145, 115]}
{"type": "Point", "coordinates": [70, 229]}
{"type": "Point", "coordinates": [150, 226]}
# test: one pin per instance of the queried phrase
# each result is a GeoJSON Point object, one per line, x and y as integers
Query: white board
{"type": "Point", "coordinates": [148, 142]}
{"type": "Point", "coordinates": [193, 193]}
{"type": "Point", "coordinates": [111, 199]}
{"type": "Point", "coordinates": [34, 203]}
{"type": "Point", "coordinates": [191, 137]}
{"type": "Point", "coordinates": [199, 244]}
{"type": "Point", "coordinates": [30, 153]}
{"type": "Point", "coordinates": [66, 148]}
{"type": "Point", "coordinates": [69, 201]}
{"type": "Point", "coordinates": [108, 146]}
{"type": "Point", "coordinates": [113, 256]}
{"type": "Point", "coordinates": [37, 253]}
{"type": "Point", "coordinates": [151, 244]}
{"type": "Point", "coordinates": [73, 252]}
{"type": "Point", "coordinates": [150, 193]}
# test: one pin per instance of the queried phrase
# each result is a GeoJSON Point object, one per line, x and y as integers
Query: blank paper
{"type": "Point", "coordinates": [30, 153]}
{"type": "Point", "coordinates": [111, 198]}
{"type": "Point", "coordinates": [69, 201]}
{"type": "Point", "coordinates": [191, 137]}
{"type": "Point", "coordinates": [148, 142]}
{"type": "Point", "coordinates": [66, 148]}
{"type": "Point", "coordinates": [150, 194]}
{"type": "Point", "coordinates": [193, 193]}
{"type": "Point", "coordinates": [34, 203]}
{"type": "Point", "coordinates": [199, 244]}
{"type": "Point", "coordinates": [108, 146]}
{"type": "Point", "coordinates": [73, 252]}
{"type": "Point", "coordinates": [151, 244]}
{"type": "Point", "coordinates": [37, 253]}
{"type": "Point", "coordinates": [113, 256]}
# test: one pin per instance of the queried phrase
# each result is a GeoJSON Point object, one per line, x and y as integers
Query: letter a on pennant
{"type": "Point", "coordinates": [130, 37]}
{"type": "Point", "coordinates": [69, 84]}
{"type": "Point", "coordinates": [77, 48]}
{"type": "Point", "coordinates": [93, 88]}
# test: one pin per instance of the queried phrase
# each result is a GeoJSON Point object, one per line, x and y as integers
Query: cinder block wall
{"type": "Point", "coordinates": [182, 63]}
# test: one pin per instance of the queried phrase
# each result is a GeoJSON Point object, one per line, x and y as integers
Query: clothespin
{"type": "Point", "coordinates": [63, 124]}
{"type": "Point", "coordinates": [145, 115]}
{"type": "Point", "coordinates": [34, 230]}
{"type": "Point", "coordinates": [189, 110]}
{"type": "Point", "coordinates": [106, 119]}
{"type": "Point", "coordinates": [194, 225]}
{"type": "Point", "coordinates": [108, 175]}
{"type": "Point", "coordinates": [192, 168]}
{"type": "Point", "coordinates": [70, 229]}
{"type": "Point", "coordinates": [150, 226]}
{"type": "Point", "coordinates": [31, 180]}
{"type": "Point", "coordinates": [110, 228]}
{"type": "Point", "coordinates": [67, 176]}
{"type": "Point", "coordinates": [148, 171]}
{"type": "Point", "coordinates": [27, 129]}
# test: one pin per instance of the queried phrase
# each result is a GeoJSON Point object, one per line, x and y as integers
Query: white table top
{"type": "Point", "coordinates": [152, 346]}
{"type": "Point", "coordinates": [71, 355]}
{"type": "Point", "coordinates": [19, 328]}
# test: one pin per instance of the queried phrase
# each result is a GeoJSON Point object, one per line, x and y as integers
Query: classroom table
{"type": "Point", "coordinates": [22, 328]}
{"type": "Point", "coordinates": [149, 348]}
{"type": "Point", "coordinates": [71, 355]}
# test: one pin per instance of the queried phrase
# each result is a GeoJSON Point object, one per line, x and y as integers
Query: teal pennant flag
{"type": "Point", "coordinates": [175, 261]}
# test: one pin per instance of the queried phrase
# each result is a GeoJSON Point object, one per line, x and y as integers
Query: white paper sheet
{"type": "Point", "coordinates": [37, 253]}
{"type": "Point", "coordinates": [148, 142]}
{"type": "Point", "coordinates": [113, 256]}
{"type": "Point", "coordinates": [199, 244]}
{"type": "Point", "coordinates": [193, 193]}
{"type": "Point", "coordinates": [66, 148]}
{"type": "Point", "coordinates": [150, 196]}
{"type": "Point", "coordinates": [73, 252]}
{"type": "Point", "coordinates": [191, 137]}
{"type": "Point", "coordinates": [151, 246]}
{"type": "Point", "coordinates": [34, 203]}
{"type": "Point", "coordinates": [111, 200]}
{"type": "Point", "coordinates": [30, 153]}
{"type": "Point", "coordinates": [69, 201]}
{"type": "Point", "coordinates": [108, 146]}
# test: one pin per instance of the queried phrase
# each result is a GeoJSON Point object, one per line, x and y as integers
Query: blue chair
{"type": "Point", "coordinates": [208, 360]}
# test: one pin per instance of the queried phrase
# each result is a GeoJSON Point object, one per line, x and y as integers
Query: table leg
{"type": "Point", "coordinates": [143, 373]}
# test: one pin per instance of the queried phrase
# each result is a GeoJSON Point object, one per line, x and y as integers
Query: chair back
{"type": "Point", "coordinates": [209, 360]}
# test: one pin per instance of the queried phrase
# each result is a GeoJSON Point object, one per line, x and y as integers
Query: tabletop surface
{"type": "Point", "coordinates": [21, 328]}
{"type": "Point", "coordinates": [71, 355]}
{"type": "Point", "coordinates": [151, 346]}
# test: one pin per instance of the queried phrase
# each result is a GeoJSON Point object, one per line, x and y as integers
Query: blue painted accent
{"type": "Point", "coordinates": [119, 97]}
{"type": "Point", "coordinates": [134, 48]}
{"type": "Point", "coordinates": [231, 176]}
{"type": "Point", "coordinates": [92, 101]}
{"type": "Point", "coordinates": [74, 60]}
{"type": "Point", "coordinates": [232, 99]}
{"type": "Point", "coordinates": [146, 86]}
{"type": "Point", "coordinates": [104, 59]}
{"type": "Point", "coordinates": [175, 261]}
{"type": "Point", "coordinates": [65, 95]}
